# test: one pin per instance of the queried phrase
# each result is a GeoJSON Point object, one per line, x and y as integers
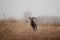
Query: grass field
{"type": "Point", "coordinates": [20, 30]}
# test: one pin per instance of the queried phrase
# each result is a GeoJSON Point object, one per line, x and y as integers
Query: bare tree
{"type": "Point", "coordinates": [4, 15]}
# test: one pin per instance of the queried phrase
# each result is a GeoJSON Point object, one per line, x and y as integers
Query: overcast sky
{"type": "Point", "coordinates": [16, 8]}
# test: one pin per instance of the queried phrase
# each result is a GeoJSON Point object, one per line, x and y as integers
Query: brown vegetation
{"type": "Point", "coordinates": [19, 30]}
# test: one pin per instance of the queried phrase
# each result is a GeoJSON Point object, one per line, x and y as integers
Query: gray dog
{"type": "Point", "coordinates": [33, 24]}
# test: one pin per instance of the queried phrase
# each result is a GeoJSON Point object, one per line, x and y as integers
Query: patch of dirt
{"type": "Point", "coordinates": [23, 31]}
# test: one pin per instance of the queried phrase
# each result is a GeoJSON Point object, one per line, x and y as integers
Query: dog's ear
{"type": "Point", "coordinates": [33, 17]}
{"type": "Point", "coordinates": [29, 18]}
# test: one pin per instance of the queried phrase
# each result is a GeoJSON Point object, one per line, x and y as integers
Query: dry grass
{"type": "Point", "coordinates": [23, 31]}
